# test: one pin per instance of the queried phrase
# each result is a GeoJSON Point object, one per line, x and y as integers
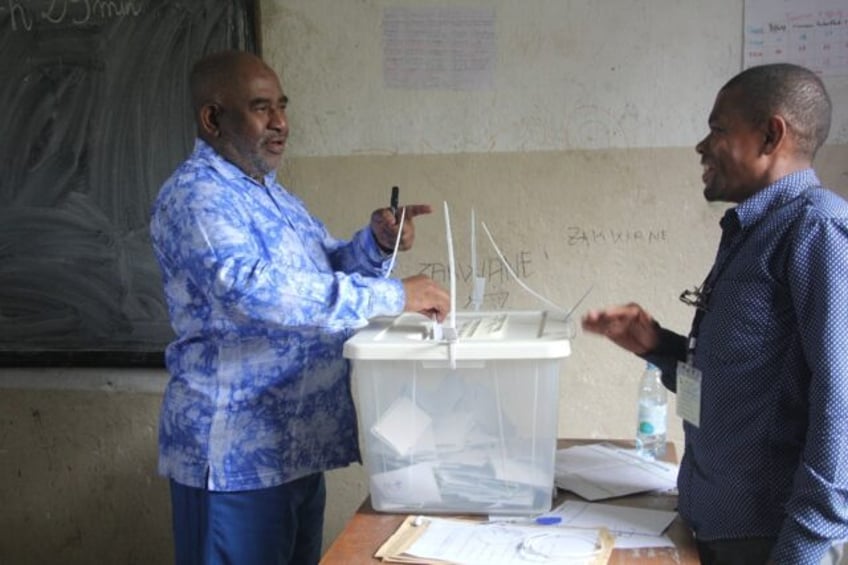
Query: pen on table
{"type": "Point", "coordinates": [530, 521]}
{"type": "Point", "coordinates": [393, 203]}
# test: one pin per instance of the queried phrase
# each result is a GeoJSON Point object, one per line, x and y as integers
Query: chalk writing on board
{"type": "Point", "coordinates": [580, 235]}
{"type": "Point", "coordinates": [490, 268]}
{"type": "Point", "coordinates": [74, 12]}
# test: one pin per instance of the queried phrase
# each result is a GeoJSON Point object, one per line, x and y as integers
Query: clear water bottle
{"type": "Point", "coordinates": [653, 414]}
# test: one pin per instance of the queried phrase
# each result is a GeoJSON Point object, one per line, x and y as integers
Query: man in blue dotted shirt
{"type": "Point", "coordinates": [261, 298]}
{"type": "Point", "coordinates": [762, 378]}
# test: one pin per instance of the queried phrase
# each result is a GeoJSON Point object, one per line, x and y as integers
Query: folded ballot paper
{"type": "Point", "coordinates": [402, 426]}
{"type": "Point", "coordinates": [601, 470]}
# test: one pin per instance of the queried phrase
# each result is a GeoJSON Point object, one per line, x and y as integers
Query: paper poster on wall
{"type": "Point", "coordinates": [812, 33]}
{"type": "Point", "coordinates": [448, 47]}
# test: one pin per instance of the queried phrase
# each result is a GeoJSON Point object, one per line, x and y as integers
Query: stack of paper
{"type": "Point", "coordinates": [430, 540]}
{"type": "Point", "coordinates": [632, 526]}
{"type": "Point", "coordinates": [600, 471]}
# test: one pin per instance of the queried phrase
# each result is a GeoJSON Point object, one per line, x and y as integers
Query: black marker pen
{"type": "Point", "coordinates": [393, 203]}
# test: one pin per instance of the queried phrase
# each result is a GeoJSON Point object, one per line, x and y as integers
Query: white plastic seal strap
{"type": "Point", "coordinates": [449, 330]}
{"type": "Point", "coordinates": [397, 242]}
{"type": "Point", "coordinates": [478, 289]}
{"type": "Point", "coordinates": [556, 307]}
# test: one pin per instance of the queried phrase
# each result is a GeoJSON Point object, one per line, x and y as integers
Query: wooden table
{"type": "Point", "coordinates": [368, 529]}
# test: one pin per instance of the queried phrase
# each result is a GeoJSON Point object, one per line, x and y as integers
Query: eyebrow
{"type": "Point", "coordinates": [261, 100]}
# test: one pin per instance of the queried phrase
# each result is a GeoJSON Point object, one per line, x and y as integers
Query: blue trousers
{"type": "Point", "coordinates": [280, 525]}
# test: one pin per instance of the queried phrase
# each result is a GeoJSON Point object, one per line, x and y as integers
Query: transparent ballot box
{"type": "Point", "coordinates": [462, 427]}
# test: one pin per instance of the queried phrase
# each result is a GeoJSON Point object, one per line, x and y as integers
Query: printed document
{"type": "Point", "coordinates": [600, 470]}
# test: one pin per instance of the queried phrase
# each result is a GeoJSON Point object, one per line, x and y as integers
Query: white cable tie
{"type": "Point", "coordinates": [452, 267]}
{"type": "Point", "coordinates": [451, 336]}
{"type": "Point", "coordinates": [478, 292]}
{"type": "Point", "coordinates": [509, 270]}
{"type": "Point", "coordinates": [450, 332]}
{"type": "Point", "coordinates": [397, 243]}
{"type": "Point", "coordinates": [437, 331]}
{"type": "Point", "coordinates": [477, 288]}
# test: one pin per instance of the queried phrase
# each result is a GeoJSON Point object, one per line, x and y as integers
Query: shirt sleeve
{"type": "Point", "coordinates": [817, 511]}
{"type": "Point", "coordinates": [218, 248]}
{"type": "Point", "coordinates": [670, 349]}
{"type": "Point", "coordinates": [359, 255]}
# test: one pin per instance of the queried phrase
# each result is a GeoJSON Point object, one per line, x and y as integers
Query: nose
{"type": "Point", "coordinates": [699, 147]}
{"type": "Point", "coordinates": [279, 121]}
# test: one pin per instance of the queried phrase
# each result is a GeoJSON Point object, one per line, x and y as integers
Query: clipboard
{"type": "Point", "coordinates": [397, 548]}
{"type": "Point", "coordinates": [394, 548]}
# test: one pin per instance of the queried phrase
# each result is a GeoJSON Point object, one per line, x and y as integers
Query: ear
{"type": "Point", "coordinates": [208, 120]}
{"type": "Point", "coordinates": [775, 134]}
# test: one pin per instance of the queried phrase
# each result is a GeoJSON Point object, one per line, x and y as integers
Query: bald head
{"type": "Point", "coordinates": [213, 75]}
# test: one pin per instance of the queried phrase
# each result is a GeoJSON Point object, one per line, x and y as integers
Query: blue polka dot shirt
{"type": "Point", "coordinates": [770, 457]}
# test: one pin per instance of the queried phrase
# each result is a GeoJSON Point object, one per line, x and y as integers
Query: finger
{"type": "Point", "coordinates": [407, 237]}
{"type": "Point", "coordinates": [590, 318]}
{"type": "Point", "coordinates": [593, 328]}
{"type": "Point", "coordinates": [436, 313]}
{"type": "Point", "coordinates": [384, 227]}
{"type": "Point", "coordinates": [385, 217]}
{"type": "Point", "coordinates": [596, 321]}
{"type": "Point", "coordinates": [413, 210]}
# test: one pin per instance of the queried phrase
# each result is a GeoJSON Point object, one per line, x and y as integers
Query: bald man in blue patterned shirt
{"type": "Point", "coordinates": [762, 379]}
{"type": "Point", "coordinates": [261, 298]}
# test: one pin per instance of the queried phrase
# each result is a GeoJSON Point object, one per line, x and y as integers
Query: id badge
{"type": "Point", "coordinates": [689, 393]}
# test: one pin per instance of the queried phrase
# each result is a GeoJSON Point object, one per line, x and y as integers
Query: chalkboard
{"type": "Point", "coordinates": [95, 117]}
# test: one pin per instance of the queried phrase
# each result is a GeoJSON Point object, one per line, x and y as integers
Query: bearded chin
{"type": "Point", "coordinates": [262, 166]}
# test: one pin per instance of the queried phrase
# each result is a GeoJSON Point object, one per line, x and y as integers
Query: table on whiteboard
{"type": "Point", "coordinates": [811, 33]}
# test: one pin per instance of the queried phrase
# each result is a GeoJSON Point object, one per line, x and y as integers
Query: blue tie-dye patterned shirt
{"type": "Point", "coordinates": [261, 298]}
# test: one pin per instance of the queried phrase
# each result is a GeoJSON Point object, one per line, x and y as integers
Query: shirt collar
{"type": "Point", "coordinates": [224, 167]}
{"type": "Point", "coordinates": [775, 195]}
